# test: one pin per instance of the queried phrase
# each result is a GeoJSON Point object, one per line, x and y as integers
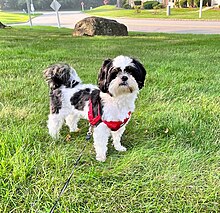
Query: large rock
{"type": "Point", "coordinates": [2, 26]}
{"type": "Point", "coordinates": [99, 26]}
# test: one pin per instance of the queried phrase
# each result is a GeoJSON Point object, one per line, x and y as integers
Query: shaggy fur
{"type": "Point", "coordinates": [119, 82]}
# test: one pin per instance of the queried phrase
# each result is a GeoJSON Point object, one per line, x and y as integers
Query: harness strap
{"type": "Point", "coordinates": [116, 125]}
{"type": "Point", "coordinates": [93, 120]}
{"type": "Point", "coordinates": [113, 125]}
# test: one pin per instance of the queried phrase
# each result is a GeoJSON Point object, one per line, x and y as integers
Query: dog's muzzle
{"type": "Point", "coordinates": [124, 81]}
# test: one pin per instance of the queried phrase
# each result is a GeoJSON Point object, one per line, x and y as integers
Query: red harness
{"type": "Point", "coordinates": [113, 125]}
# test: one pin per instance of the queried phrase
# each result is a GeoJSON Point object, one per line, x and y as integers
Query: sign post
{"type": "Point", "coordinates": [32, 7]}
{"type": "Point", "coordinates": [55, 5]}
{"type": "Point", "coordinates": [168, 10]}
{"type": "Point", "coordinates": [82, 5]}
{"type": "Point", "coordinates": [29, 12]}
{"type": "Point", "coordinates": [200, 9]}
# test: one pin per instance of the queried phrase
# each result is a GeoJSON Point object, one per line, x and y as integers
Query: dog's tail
{"type": "Point", "coordinates": [58, 75]}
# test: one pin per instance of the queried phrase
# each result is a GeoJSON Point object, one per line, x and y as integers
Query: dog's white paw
{"type": "Point", "coordinates": [75, 130]}
{"type": "Point", "coordinates": [54, 135]}
{"type": "Point", "coordinates": [100, 158]}
{"type": "Point", "coordinates": [120, 148]}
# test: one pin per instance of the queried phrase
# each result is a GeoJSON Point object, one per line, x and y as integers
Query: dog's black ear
{"type": "Point", "coordinates": [103, 74]}
{"type": "Point", "coordinates": [140, 78]}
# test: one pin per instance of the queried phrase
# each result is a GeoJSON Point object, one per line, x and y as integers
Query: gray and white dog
{"type": "Point", "coordinates": [108, 106]}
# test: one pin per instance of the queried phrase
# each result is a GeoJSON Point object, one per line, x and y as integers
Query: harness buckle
{"type": "Point", "coordinates": [89, 133]}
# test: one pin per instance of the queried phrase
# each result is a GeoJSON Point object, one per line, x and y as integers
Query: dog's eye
{"type": "Point", "coordinates": [113, 75]}
{"type": "Point", "coordinates": [117, 70]}
{"type": "Point", "coordinates": [130, 69]}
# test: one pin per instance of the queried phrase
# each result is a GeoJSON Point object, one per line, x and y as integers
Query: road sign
{"type": "Point", "coordinates": [29, 13]}
{"type": "Point", "coordinates": [55, 5]}
{"type": "Point", "coordinates": [32, 8]}
{"type": "Point", "coordinates": [82, 5]}
{"type": "Point", "coordinates": [200, 8]}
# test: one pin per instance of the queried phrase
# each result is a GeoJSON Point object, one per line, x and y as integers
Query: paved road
{"type": "Point", "coordinates": [69, 19]}
{"type": "Point", "coordinates": [172, 26]}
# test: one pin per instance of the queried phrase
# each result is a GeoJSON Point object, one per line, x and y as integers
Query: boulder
{"type": "Point", "coordinates": [2, 26]}
{"type": "Point", "coordinates": [99, 26]}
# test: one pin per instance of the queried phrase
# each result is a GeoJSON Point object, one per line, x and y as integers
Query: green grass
{"type": "Point", "coordinates": [173, 158]}
{"type": "Point", "coordinates": [176, 13]}
{"type": "Point", "coordinates": [10, 18]}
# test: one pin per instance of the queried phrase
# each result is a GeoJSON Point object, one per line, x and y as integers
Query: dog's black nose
{"type": "Point", "coordinates": [124, 78]}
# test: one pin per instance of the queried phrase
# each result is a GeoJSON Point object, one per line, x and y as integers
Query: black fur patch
{"type": "Point", "coordinates": [96, 103]}
{"type": "Point", "coordinates": [55, 101]}
{"type": "Point", "coordinates": [78, 101]}
{"type": "Point", "coordinates": [113, 74]}
{"type": "Point", "coordinates": [72, 84]}
{"type": "Point", "coordinates": [79, 98]}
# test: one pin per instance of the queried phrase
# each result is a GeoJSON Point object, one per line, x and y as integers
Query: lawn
{"type": "Point", "coordinates": [176, 13]}
{"type": "Point", "coordinates": [10, 18]}
{"type": "Point", "coordinates": [172, 163]}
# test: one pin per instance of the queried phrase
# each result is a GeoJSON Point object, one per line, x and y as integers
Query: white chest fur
{"type": "Point", "coordinates": [117, 108]}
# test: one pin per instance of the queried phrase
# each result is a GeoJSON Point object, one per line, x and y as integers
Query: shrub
{"type": "Point", "coordinates": [150, 4]}
{"type": "Point", "coordinates": [155, 4]}
{"type": "Point", "coordinates": [158, 6]}
{"type": "Point", "coordinates": [190, 3]}
{"type": "Point", "coordinates": [177, 4]}
{"type": "Point", "coordinates": [137, 3]}
{"type": "Point", "coordinates": [127, 6]}
{"type": "Point", "coordinates": [197, 2]}
{"type": "Point", "coordinates": [183, 3]}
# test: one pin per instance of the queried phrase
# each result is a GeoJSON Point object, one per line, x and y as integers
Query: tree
{"type": "Point", "coordinates": [2, 4]}
{"type": "Point", "coordinates": [119, 3]}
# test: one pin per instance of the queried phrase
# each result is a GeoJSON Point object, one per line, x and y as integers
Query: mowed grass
{"type": "Point", "coordinates": [10, 18]}
{"type": "Point", "coordinates": [176, 13]}
{"type": "Point", "coordinates": [172, 163]}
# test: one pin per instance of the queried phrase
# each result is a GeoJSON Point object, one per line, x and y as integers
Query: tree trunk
{"type": "Point", "coordinates": [119, 3]}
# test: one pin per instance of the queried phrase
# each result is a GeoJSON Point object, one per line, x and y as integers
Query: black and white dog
{"type": "Point", "coordinates": [108, 106]}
